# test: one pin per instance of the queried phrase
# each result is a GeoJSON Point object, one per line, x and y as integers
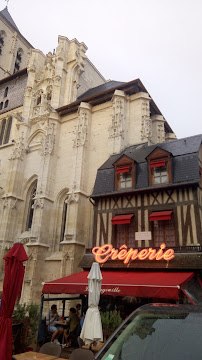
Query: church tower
{"type": "Point", "coordinates": [14, 48]}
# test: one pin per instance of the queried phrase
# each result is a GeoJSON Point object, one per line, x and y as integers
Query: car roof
{"type": "Point", "coordinates": [169, 307]}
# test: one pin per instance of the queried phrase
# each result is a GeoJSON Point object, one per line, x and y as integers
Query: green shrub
{"type": "Point", "coordinates": [31, 312]}
{"type": "Point", "coordinates": [110, 320]}
{"type": "Point", "coordinates": [20, 312]}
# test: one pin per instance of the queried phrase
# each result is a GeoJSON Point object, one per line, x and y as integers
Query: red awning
{"type": "Point", "coordinates": [123, 283]}
{"type": "Point", "coordinates": [122, 169]}
{"type": "Point", "coordinates": [157, 163]}
{"type": "Point", "coordinates": [122, 219]}
{"type": "Point", "coordinates": [160, 215]}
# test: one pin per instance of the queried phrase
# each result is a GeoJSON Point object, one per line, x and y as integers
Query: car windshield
{"type": "Point", "coordinates": [158, 336]}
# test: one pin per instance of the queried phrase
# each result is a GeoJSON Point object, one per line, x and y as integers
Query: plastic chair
{"type": "Point", "coordinates": [79, 354]}
{"type": "Point", "coordinates": [51, 349]}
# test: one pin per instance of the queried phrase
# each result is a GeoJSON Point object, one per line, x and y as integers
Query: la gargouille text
{"type": "Point", "coordinates": [105, 252]}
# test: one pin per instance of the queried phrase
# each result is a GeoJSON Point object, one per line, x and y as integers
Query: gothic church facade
{"type": "Point", "coordinates": [59, 121]}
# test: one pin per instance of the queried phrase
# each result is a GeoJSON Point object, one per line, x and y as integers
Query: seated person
{"type": "Point", "coordinates": [51, 317]}
{"type": "Point", "coordinates": [78, 310]}
{"type": "Point", "coordinates": [73, 324]}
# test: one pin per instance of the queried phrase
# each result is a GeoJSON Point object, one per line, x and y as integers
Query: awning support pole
{"type": "Point", "coordinates": [63, 308]}
{"type": "Point", "coordinates": [40, 317]}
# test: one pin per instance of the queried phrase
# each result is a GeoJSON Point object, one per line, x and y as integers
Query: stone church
{"type": "Point", "coordinates": [59, 121]}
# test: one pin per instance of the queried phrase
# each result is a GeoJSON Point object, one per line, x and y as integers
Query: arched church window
{"type": "Point", "coordinates": [18, 60]}
{"type": "Point", "coordinates": [2, 130]}
{"type": "Point", "coordinates": [5, 129]}
{"type": "Point", "coordinates": [6, 92]}
{"type": "Point", "coordinates": [8, 130]}
{"type": "Point", "coordinates": [6, 104]}
{"type": "Point", "coordinates": [1, 105]}
{"type": "Point", "coordinates": [30, 212]}
{"type": "Point", "coordinates": [64, 218]}
{"type": "Point", "coordinates": [2, 37]}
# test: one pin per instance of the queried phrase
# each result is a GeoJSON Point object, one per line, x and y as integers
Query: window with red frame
{"type": "Point", "coordinates": [125, 234]}
{"type": "Point", "coordinates": [163, 232]}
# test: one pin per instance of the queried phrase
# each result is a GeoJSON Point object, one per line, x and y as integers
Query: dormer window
{"type": "Point", "coordinates": [125, 177]}
{"type": "Point", "coordinates": [159, 167]}
{"type": "Point", "coordinates": [159, 172]}
{"type": "Point", "coordinates": [124, 173]}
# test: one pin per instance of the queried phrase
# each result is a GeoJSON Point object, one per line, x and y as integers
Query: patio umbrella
{"type": "Point", "coordinates": [92, 327]}
{"type": "Point", "coordinates": [13, 278]}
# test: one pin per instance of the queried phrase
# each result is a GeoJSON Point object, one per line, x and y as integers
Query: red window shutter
{"type": "Point", "coordinates": [160, 215]}
{"type": "Point", "coordinates": [122, 169]}
{"type": "Point", "coordinates": [157, 163]}
{"type": "Point", "coordinates": [122, 219]}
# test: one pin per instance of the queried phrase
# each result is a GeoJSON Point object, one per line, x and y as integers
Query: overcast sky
{"type": "Point", "coordinates": [158, 41]}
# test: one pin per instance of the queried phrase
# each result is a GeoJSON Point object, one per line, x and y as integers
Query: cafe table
{"type": "Point", "coordinates": [31, 355]}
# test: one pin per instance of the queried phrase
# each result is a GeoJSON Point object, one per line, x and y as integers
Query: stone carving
{"type": "Point", "coordinates": [19, 149]}
{"type": "Point", "coordinates": [18, 117]}
{"type": "Point", "coordinates": [9, 202]}
{"type": "Point", "coordinates": [118, 116]}
{"type": "Point", "coordinates": [72, 197]}
{"type": "Point", "coordinates": [81, 131]}
{"type": "Point", "coordinates": [13, 203]}
{"type": "Point", "coordinates": [5, 202]}
{"type": "Point", "coordinates": [28, 91]}
{"type": "Point", "coordinates": [57, 80]}
{"type": "Point", "coordinates": [49, 65]}
{"type": "Point", "coordinates": [145, 108]}
{"type": "Point", "coordinates": [160, 133]}
{"type": "Point", "coordinates": [31, 64]}
{"type": "Point", "coordinates": [60, 50]}
{"type": "Point", "coordinates": [38, 203]}
{"type": "Point", "coordinates": [13, 42]}
{"type": "Point", "coordinates": [146, 128]}
{"type": "Point", "coordinates": [48, 140]}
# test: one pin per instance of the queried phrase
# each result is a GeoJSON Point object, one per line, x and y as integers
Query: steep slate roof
{"type": "Point", "coordinates": [99, 89]}
{"type": "Point", "coordinates": [185, 165]}
{"type": "Point", "coordinates": [8, 17]}
{"type": "Point", "coordinates": [5, 13]}
{"type": "Point", "coordinates": [104, 92]}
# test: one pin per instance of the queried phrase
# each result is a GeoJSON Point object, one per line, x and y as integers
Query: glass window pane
{"type": "Point", "coordinates": [157, 180]}
{"type": "Point", "coordinates": [162, 335]}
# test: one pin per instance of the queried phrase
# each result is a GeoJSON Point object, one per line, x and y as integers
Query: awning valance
{"type": "Point", "coordinates": [157, 163]}
{"type": "Point", "coordinates": [123, 283]}
{"type": "Point", "coordinates": [160, 215]}
{"type": "Point", "coordinates": [122, 169]}
{"type": "Point", "coordinates": [122, 219]}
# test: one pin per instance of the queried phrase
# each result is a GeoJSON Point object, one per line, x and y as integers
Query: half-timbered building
{"type": "Point", "coordinates": [148, 209]}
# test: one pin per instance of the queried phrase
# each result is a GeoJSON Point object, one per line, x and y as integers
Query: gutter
{"type": "Point", "coordinates": [147, 189]}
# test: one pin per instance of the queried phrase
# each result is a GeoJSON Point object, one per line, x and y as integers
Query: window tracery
{"type": "Point", "coordinates": [18, 60]}
{"type": "Point", "coordinates": [5, 129]}
{"type": "Point", "coordinates": [30, 212]}
{"type": "Point", "coordinates": [2, 40]}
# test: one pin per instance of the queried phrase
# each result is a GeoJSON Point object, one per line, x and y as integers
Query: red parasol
{"type": "Point", "coordinates": [14, 274]}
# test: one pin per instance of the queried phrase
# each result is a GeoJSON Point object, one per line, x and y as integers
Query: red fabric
{"type": "Point", "coordinates": [123, 283]}
{"type": "Point", "coordinates": [160, 215]}
{"type": "Point", "coordinates": [14, 273]}
{"type": "Point", "coordinates": [157, 163]}
{"type": "Point", "coordinates": [122, 219]}
{"type": "Point", "coordinates": [122, 169]}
